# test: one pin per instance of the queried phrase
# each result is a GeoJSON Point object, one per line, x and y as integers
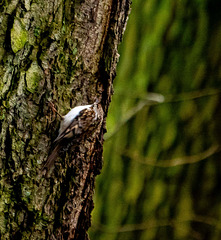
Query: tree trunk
{"type": "Point", "coordinates": [64, 52]}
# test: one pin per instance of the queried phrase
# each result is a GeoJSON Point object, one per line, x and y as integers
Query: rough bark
{"type": "Point", "coordinates": [65, 52]}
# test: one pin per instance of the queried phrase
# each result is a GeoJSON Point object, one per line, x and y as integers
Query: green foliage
{"type": "Point", "coordinates": [161, 164]}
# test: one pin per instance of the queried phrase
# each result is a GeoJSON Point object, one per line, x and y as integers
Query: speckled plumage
{"type": "Point", "coordinates": [77, 121]}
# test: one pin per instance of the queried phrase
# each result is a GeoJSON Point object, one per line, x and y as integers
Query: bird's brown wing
{"type": "Point", "coordinates": [73, 125]}
{"type": "Point", "coordinates": [78, 125]}
{"type": "Point", "coordinates": [54, 154]}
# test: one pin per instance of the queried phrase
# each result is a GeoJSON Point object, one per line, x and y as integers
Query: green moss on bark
{"type": "Point", "coordinates": [19, 36]}
{"type": "Point", "coordinates": [33, 76]}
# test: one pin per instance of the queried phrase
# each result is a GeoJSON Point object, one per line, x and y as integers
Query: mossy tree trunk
{"type": "Point", "coordinates": [64, 52]}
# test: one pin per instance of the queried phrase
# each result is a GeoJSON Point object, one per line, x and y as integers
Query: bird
{"type": "Point", "coordinates": [77, 121]}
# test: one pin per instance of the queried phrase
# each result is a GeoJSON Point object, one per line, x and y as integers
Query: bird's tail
{"type": "Point", "coordinates": [52, 157]}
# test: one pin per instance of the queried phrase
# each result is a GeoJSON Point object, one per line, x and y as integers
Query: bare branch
{"type": "Point", "coordinates": [175, 161]}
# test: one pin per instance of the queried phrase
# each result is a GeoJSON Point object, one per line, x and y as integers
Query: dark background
{"type": "Point", "coordinates": [162, 171]}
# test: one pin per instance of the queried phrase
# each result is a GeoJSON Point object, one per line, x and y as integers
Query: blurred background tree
{"type": "Point", "coordinates": [162, 170]}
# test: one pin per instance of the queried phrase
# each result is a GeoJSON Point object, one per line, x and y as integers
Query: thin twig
{"type": "Point", "coordinates": [54, 109]}
{"type": "Point", "coordinates": [175, 161]}
{"type": "Point", "coordinates": [160, 99]}
{"type": "Point", "coordinates": [153, 223]}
